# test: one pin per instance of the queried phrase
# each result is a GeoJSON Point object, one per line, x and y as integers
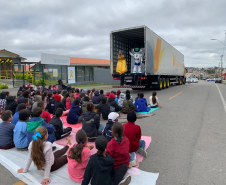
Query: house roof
{"type": "Point", "coordinates": [89, 61]}
{"type": "Point", "coordinates": [4, 50]}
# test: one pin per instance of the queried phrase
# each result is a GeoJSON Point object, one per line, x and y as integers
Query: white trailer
{"type": "Point", "coordinates": [164, 65]}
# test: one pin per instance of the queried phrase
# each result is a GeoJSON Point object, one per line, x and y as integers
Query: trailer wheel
{"type": "Point", "coordinates": [167, 83]}
{"type": "Point", "coordinates": [184, 80]}
{"type": "Point", "coordinates": [164, 83]}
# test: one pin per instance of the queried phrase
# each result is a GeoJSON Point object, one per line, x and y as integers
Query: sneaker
{"type": "Point", "coordinates": [53, 148]}
{"type": "Point", "coordinates": [22, 149]}
{"type": "Point", "coordinates": [142, 152]}
{"type": "Point", "coordinates": [126, 180]}
{"type": "Point", "coordinates": [133, 163]}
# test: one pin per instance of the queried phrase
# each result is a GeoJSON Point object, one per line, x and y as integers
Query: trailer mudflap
{"type": "Point", "coordinates": [130, 86]}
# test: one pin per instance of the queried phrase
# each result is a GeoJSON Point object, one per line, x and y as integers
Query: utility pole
{"type": "Point", "coordinates": [221, 66]}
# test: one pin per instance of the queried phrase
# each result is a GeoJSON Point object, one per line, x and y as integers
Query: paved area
{"type": "Point", "coordinates": [188, 136]}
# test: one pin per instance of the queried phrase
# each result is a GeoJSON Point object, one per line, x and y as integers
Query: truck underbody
{"type": "Point", "coordinates": [142, 81]}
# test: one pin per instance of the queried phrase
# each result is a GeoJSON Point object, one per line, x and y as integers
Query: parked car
{"type": "Point", "coordinates": [218, 80]}
{"type": "Point", "coordinates": [188, 80]}
{"type": "Point", "coordinates": [194, 80]}
{"type": "Point", "coordinates": [210, 79]}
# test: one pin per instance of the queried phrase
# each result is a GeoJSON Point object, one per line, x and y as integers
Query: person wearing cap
{"type": "Point", "coordinates": [57, 103]}
{"type": "Point", "coordinates": [112, 118]}
{"type": "Point", "coordinates": [114, 107]}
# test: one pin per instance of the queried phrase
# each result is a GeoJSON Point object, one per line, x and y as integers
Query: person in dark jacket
{"type": "Point", "coordinates": [112, 118]}
{"type": "Point", "coordinates": [100, 168]}
{"type": "Point", "coordinates": [127, 105]}
{"type": "Point", "coordinates": [114, 107]}
{"type": "Point", "coordinates": [66, 95]}
{"type": "Point", "coordinates": [96, 98]}
{"type": "Point", "coordinates": [35, 122]}
{"type": "Point", "coordinates": [73, 116]}
{"type": "Point", "coordinates": [60, 85]}
{"type": "Point", "coordinates": [101, 93]}
{"type": "Point", "coordinates": [57, 103]}
{"type": "Point", "coordinates": [91, 122]}
{"type": "Point", "coordinates": [50, 103]}
{"type": "Point", "coordinates": [60, 132]}
{"type": "Point", "coordinates": [11, 104]}
{"type": "Point", "coordinates": [104, 108]}
{"type": "Point", "coordinates": [142, 104]}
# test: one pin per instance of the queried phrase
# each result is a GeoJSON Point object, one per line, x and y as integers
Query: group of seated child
{"type": "Point", "coordinates": [31, 126]}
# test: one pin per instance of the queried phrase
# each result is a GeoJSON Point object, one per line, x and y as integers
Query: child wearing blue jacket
{"type": "Point", "coordinates": [20, 136]}
{"type": "Point", "coordinates": [73, 116]}
{"type": "Point", "coordinates": [142, 105]}
{"type": "Point", "coordinates": [35, 122]}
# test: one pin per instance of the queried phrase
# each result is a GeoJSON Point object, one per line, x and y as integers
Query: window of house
{"type": "Point", "coordinates": [80, 71]}
{"type": "Point", "coordinates": [87, 71]}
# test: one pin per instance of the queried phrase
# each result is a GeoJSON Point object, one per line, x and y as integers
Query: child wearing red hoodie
{"type": "Point", "coordinates": [78, 156]}
{"type": "Point", "coordinates": [45, 115]}
{"type": "Point", "coordinates": [118, 149]}
{"type": "Point", "coordinates": [133, 133]}
{"type": "Point", "coordinates": [58, 103]}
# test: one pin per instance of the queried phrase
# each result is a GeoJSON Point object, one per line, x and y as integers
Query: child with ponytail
{"type": "Point", "coordinates": [154, 101]}
{"type": "Point", "coordinates": [40, 152]}
{"type": "Point", "coordinates": [118, 149]}
{"type": "Point", "coordinates": [78, 156]}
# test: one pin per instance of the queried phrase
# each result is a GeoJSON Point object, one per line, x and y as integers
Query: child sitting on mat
{"type": "Point", "coordinates": [69, 101]}
{"type": "Point", "coordinates": [154, 101]}
{"type": "Point", "coordinates": [35, 122]}
{"type": "Point", "coordinates": [127, 105]}
{"type": "Point", "coordinates": [112, 118]}
{"type": "Point", "coordinates": [73, 116]}
{"type": "Point", "coordinates": [91, 122]}
{"type": "Point", "coordinates": [78, 156]}
{"type": "Point", "coordinates": [118, 149]}
{"type": "Point", "coordinates": [40, 152]}
{"type": "Point", "coordinates": [45, 115]}
{"type": "Point", "coordinates": [104, 108]}
{"type": "Point", "coordinates": [136, 99]}
{"type": "Point", "coordinates": [20, 131]}
{"type": "Point", "coordinates": [60, 132]}
{"type": "Point", "coordinates": [6, 131]}
{"type": "Point", "coordinates": [100, 168]}
{"type": "Point", "coordinates": [133, 133]}
{"type": "Point", "coordinates": [142, 104]}
{"type": "Point", "coordinates": [57, 103]}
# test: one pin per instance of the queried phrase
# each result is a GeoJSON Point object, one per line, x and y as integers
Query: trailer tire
{"type": "Point", "coordinates": [163, 83]}
{"type": "Point", "coordinates": [160, 84]}
{"type": "Point", "coordinates": [167, 83]}
{"type": "Point", "coordinates": [184, 81]}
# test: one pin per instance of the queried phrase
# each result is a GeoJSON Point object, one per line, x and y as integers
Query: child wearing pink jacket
{"type": "Point", "coordinates": [78, 156]}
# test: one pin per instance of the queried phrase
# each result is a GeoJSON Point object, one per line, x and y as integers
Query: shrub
{"type": "Point", "coordinates": [3, 86]}
{"type": "Point", "coordinates": [40, 82]}
{"type": "Point", "coordinates": [47, 76]}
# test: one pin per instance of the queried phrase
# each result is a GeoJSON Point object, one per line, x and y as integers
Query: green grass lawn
{"type": "Point", "coordinates": [102, 86]}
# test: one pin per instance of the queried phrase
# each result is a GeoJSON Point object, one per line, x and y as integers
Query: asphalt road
{"type": "Point", "coordinates": [188, 136]}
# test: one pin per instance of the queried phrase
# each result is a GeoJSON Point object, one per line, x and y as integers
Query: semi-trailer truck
{"type": "Point", "coordinates": [162, 64]}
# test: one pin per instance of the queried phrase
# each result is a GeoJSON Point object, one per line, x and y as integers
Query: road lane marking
{"type": "Point", "coordinates": [19, 183]}
{"type": "Point", "coordinates": [175, 96]}
{"type": "Point", "coordinates": [222, 98]}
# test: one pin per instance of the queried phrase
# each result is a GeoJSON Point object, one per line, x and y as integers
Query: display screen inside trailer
{"type": "Point", "coordinates": [55, 59]}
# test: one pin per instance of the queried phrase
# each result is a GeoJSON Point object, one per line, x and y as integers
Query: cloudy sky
{"type": "Point", "coordinates": [82, 28]}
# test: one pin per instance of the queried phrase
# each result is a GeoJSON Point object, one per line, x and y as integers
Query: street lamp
{"type": "Point", "coordinates": [218, 41]}
{"type": "Point", "coordinates": [221, 55]}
